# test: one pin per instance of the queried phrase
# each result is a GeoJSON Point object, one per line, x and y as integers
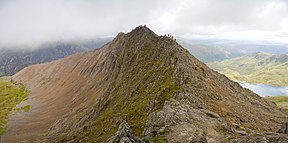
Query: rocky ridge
{"type": "Point", "coordinates": [161, 91]}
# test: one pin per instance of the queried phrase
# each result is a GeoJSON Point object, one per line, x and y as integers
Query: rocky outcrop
{"type": "Point", "coordinates": [150, 81]}
{"type": "Point", "coordinates": [124, 135]}
{"type": "Point", "coordinates": [262, 138]}
{"type": "Point", "coordinates": [180, 122]}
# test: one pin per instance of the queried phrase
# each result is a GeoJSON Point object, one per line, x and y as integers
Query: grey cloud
{"type": "Point", "coordinates": [231, 15]}
{"type": "Point", "coordinates": [25, 22]}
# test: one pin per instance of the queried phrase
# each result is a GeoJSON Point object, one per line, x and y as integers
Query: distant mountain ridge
{"type": "Point", "coordinates": [256, 68]}
{"type": "Point", "coordinates": [139, 87]}
{"type": "Point", "coordinates": [208, 53]}
{"type": "Point", "coordinates": [243, 46]}
{"type": "Point", "coordinates": [213, 50]}
{"type": "Point", "coordinates": [13, 60]}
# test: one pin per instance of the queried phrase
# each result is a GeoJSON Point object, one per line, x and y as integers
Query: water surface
{"type": "Point", "coordinates": [266, 90]}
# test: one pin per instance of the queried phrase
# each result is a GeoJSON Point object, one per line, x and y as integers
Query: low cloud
{"type": "Point", "coordinates": [26, 22]}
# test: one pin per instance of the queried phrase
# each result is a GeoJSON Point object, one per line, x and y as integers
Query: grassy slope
{"type": "Point", "coordinates": [135, 109]}
{"type": "Point", "coordinates": [281, 101]}
{"type": "Point", "coordinates": [141, 81]}
{"type": "Point", "coordinates": [254, 69]}
{"type": "Point", "coordinates": [10, 96]}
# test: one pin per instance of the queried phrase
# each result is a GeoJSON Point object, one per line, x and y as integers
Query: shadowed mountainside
{"type": "Point", "coordinates": [143, 81]}
{"type": "Point", "coordinates": [14, 59]}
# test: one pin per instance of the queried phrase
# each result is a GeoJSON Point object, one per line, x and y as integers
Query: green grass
{"type": "Point", "coordinates": [25, 108]}
{"type": "Point", "coordinates": [256, 68]}
{"type": "Point", "coordinates": [10, 96]}
{"type": "Point", "coordinates": [281, 101]}
{"type": "Point", "coordinates": [159, 139]}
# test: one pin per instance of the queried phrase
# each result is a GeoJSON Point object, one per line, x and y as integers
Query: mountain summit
{"type": "Point", "coordinates": [140, 87]}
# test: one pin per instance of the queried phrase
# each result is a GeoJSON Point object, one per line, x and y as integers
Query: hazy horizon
{"type": "Point", "coordinates": [30, 22]}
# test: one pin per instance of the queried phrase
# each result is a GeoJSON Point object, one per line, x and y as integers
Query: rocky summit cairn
{"type": "Point", "coordinates": [150, 81]}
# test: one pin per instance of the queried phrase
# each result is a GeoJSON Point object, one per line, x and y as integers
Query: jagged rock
{"type": "Point", "coordinates": [161, 131]}
{"type": "Point", "coordinates": [179, 122]}
{"type": "Point", "coordinates": [199, 140]}
{"type": "Point", "coordinates": [124, 135]}
{"type": "Point", "coordinates": [148, 80]}
{"type": "Point", "coordinates": [262, 138]}
{"type": "Point", "coordinates": [210, 113]}
{"type": "Point", "coordinates": [284, 128]}
{"type": "Point", "coordinates": [240, 132]}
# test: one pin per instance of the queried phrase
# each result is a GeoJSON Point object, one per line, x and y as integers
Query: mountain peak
{"type": "Point", "coordinates": [143, 79]}
{"type": "Point", "coordinates": [142, 30]}
{"type": "Point", "coordinates": [137, 33]}
{"type": "Point", "coordinates": [142, 37]}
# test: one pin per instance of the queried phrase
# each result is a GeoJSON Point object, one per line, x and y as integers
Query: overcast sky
{"type": "Point", "coordinates": [24, 22]}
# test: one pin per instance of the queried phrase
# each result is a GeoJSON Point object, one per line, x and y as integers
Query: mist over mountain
{"type": "Point", "coordinates": [73, 71]}
{"type": "Point", "coordinates": [34, 22]}
{"type": "Point", "coordinates": [211, 50]}
{"type": "Point", "coordinates": [13, 60]}
{"type": "Point", "coordinates": [150, 87]}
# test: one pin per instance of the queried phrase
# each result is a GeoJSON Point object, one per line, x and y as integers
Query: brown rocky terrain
{"type": "Point", "coordinates": [147, 85]}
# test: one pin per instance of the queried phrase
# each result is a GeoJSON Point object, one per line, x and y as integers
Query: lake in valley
{"type": "Point", "coordinates": [266, 90]}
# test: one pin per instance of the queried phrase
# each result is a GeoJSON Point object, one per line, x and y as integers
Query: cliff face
{"type": "Point", "coordinates": [147, 81]}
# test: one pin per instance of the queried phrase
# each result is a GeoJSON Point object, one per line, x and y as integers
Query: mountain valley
{"type": "Point", "coordinates": [139, 87]}
{"type": "Point", "coordinates": [262, 68]}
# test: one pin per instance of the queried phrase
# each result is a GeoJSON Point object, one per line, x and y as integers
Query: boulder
{"type": "Point", "coordinates": [124, 135]}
